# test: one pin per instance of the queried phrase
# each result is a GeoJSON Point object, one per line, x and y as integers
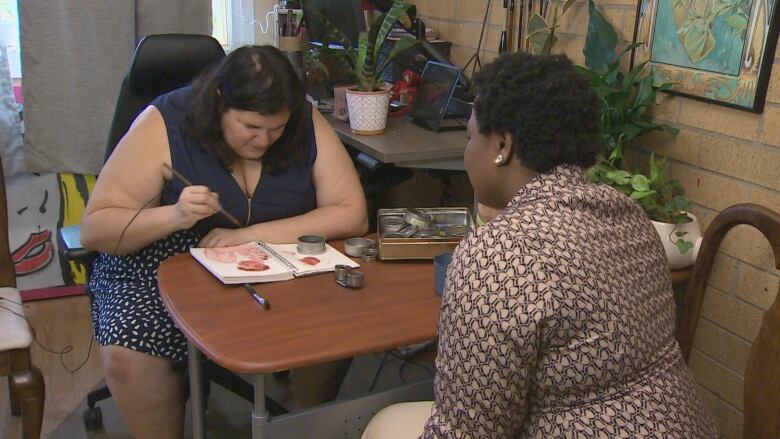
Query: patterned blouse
{"type": "Point", "coordinates": [557, 321]}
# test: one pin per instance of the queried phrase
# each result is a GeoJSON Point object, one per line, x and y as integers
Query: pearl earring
{"type": "Point", "coordinates": [499, 160]}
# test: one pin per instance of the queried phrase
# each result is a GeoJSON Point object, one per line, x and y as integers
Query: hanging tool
{"type": "Point", "coordinates": [510, 25]}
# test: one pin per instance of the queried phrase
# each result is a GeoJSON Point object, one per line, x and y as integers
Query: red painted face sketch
{"type": "Point", "coordinates": [310, 260]}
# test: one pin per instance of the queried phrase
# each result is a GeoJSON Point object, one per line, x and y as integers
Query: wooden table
{"type": "Point", "coordinates": [312, 320]}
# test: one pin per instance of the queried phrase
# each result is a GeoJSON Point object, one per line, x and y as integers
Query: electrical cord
{"type": "Point", "coordinates": [67, 349]}
{"type": "Point", "coordinates": [407, 361]}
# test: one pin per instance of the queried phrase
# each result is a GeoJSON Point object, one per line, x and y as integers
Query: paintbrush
{"type": "Point", "coordinates": [189, 183]}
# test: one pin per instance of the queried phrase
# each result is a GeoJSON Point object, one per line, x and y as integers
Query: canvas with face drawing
{"type": "Point", "coordinates": [263, 262]}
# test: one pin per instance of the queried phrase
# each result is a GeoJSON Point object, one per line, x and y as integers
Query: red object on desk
{"type": "Point", "coordinates": [404, 91]}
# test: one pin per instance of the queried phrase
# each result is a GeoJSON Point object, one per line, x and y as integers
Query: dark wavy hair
{"type": "Point", "coordinates": [251, 78]}
{"type": "Point", "coordinates": [545, 104]}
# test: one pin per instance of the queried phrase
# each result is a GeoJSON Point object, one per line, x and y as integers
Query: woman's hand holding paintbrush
{"type": "Point", "coordinates": [196, 202]}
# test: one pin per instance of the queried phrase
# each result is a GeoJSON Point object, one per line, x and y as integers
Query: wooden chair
{"type": "Point", "coordinates": [762, 376]}
{"type": "Point", "coordinates": [25, 381]}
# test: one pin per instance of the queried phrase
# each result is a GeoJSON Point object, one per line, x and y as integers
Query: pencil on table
{"type": "Point", "coordinates": [187, 182]}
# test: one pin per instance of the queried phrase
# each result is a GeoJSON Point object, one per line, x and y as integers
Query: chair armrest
{"type": "Point", "coordinates": [70, 245]}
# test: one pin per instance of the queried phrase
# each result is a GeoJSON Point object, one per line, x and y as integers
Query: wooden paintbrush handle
{"type": "Point", "coordinates": [184, 180]}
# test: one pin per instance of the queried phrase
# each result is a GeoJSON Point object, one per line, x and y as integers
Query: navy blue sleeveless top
{"type": "Point", "coordinates": [287, 193]}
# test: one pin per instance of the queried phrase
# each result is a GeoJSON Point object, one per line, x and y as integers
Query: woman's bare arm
{"type": "Point", "coordinates": [132, 180]}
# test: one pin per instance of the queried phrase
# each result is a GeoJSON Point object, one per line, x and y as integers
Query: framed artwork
{"type": "Point", "coordinates": [720, 51]}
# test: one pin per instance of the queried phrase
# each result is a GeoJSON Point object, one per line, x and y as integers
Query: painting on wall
{"type": "Point", "coordinates": [717, 50]}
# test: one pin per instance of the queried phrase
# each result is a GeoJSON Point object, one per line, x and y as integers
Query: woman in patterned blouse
{"type": "Point", "coordinates": [557, 318]}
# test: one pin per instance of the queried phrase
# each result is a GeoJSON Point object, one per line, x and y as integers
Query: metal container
{"type": "Point", "coordinates": [422, 244]}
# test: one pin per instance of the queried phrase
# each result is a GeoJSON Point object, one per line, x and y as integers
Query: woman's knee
{"type": "Point", "coordinates": [123, 366]}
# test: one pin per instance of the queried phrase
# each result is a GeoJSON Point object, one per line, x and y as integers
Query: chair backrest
{"type": "Point", "coordinates": [7, 273]}
{"type": "Point", "coordinates": [762, 375]}
{"type": "Point", "coordinates": [161, 63]}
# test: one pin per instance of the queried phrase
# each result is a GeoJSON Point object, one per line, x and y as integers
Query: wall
{"type": "Point", "coordinates": [722, 156]}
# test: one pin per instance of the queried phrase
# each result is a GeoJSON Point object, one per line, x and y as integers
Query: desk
{"type": "Point", "coordinates": [407, 145]}
{"type": "Point", "coordinates": [312, 320]}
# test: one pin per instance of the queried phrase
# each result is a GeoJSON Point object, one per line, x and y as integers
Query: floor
{"type": "Point", "coordinates": [62, 322]}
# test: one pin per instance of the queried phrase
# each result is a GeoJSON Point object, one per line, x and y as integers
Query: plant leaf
{"type": "Point", "coordinates": [639, 183]}
{"type": "Point", "coordinates": [393, 15]}
{"type": "Point", "coordinates": [670, 130]}
{"type": "Point", "coordinates": [638, 195]}
{"type": "Point", "coordinates": [400, 46]}
{"type": "Point", "coordinates": [628, 81]}
{"type": "Point", "coordinates": [619, 176]}
{"type": "Point", "coordinates": [538, 33]}
{"type": "Point", "coordinates": [600, 42]}
{"type": "Point", "coordinates": [683, 246]}
{"type": "Point", "coordinates": [656, 170]}
{"type": "Point", "coordinates": [566, 5]}
{"type": "Point", "coordinates": [630, 130]}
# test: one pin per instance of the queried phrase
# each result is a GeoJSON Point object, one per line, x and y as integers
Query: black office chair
{"type": "Point", "coordinates": [161, 63]}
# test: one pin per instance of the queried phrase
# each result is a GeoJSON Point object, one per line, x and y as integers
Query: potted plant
{"type": "Point", "coordinates": [368, 100]}
{"type": "Point", "coordinates": [625, 98]}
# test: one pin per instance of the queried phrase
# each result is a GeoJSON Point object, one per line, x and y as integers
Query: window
{"type": "Point", "coordinates": [9, 35]}
{"type": "Point", "coordinates": [219, 20]}
{"type": "Point", "coordinates": [233, 22]}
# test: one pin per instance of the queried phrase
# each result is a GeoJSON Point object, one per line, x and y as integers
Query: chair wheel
{"type": "Point", "coordinates": [93, 418]}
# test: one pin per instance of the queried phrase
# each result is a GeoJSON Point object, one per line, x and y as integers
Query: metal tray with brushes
{"type": "Point", "coordinates": [398, 239]}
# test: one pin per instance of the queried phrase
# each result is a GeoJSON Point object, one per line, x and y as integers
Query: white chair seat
{"type": "Point", "coordinates": [399, 421]}
{"type": "Point", "coordinates": [14, 331]}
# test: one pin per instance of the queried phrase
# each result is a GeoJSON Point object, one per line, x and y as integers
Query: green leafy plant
{"type": "Point", "coordinates": [625, 99]}
{"type": "Point", "coordinates": [363, 60]}
{"type": "Point", "coordinates": [541, 27]}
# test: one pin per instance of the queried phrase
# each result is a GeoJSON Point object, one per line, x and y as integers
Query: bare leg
{"type": "Point", "coordinates": [147, 390]}
{"type": "Point", "coordinates": [318, 384]}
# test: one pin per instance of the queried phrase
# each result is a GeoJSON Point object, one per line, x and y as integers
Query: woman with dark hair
{"type": "Point", "coordinates": [557, 317]}
{"type": "Point", "coordinates": [244, 134]}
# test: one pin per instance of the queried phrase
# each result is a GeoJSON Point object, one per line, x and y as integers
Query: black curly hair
{"type": "Point", "coordinates": [545, 104]}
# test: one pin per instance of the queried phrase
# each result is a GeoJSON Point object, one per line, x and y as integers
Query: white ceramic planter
{"type": "Point", "coordinates": [668, 233]}
{"type": "Point", "coordinates": [368, 111]}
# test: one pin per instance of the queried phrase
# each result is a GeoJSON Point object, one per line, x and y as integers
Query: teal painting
{"type": "Point", "coordinates": [701, 34]}
{"type": "Point", "coordinates": [710, 49]}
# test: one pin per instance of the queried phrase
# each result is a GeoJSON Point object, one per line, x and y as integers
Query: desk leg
{"type": "Point", "coordinates": [196, 392]}
{"type": "Point", "coordinates": [260, 413]}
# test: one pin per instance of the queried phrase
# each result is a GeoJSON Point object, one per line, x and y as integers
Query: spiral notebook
{"type": "Point", "coordinates": [263, 262]}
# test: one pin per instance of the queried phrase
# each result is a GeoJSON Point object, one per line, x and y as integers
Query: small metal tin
{"type": "Point", "coordinates": [356, 246]}
{"type": "Point", "coordinates": [392, 223]}
{"type": "Point", "coordinates": [457, 230]}
{"type": "Point", "coordinates": [428, 231]}
{"type": "Point", "coordinates": [417, 217]}
{"type": "Point", "coordinates": [355, 279]}
{"type": "Point", "coordinates": [311, 245]}
{"type": "Point", "coordinates": [370, 254]}
{"type": "Point", "coordinates": [340, 271]}
{"type": "Point", "coordinates": [408, 231]}
{"type": "Point", "coordinates": [394, 235]}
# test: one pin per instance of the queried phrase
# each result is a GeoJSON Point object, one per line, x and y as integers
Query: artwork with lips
{"type": "Point", "coordinates": [39, 204]}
